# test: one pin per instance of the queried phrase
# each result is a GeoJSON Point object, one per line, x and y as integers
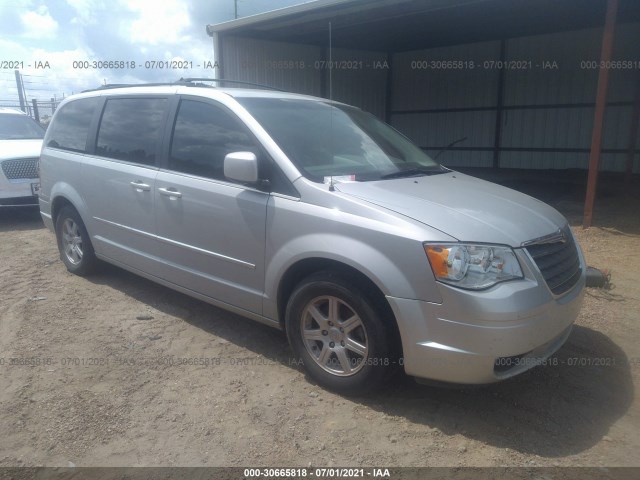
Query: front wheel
{"type": "Point", "coordinates": [335, 330]}
{"type": "Point", "coordinates": [74, 244]}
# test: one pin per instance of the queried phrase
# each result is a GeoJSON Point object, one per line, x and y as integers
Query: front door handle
{"type": "Point", "coordinates": [170, 192]}
{"type": "Point", "coordinates": [140, 186]}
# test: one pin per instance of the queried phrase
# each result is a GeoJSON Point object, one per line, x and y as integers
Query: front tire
{"type": "Point", "coordinates": [74, 244]}
{"type": "Point", "coordinates": [336, 332]}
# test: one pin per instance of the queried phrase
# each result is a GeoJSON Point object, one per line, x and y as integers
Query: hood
{"type": "Point", "coordinates": [20, 148]}
{"type": "Point", "coordinates": [464, 207]}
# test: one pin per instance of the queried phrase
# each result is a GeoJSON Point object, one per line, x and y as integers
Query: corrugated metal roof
{"type": "Point", "coordinates": [402, 25]}
{"type": "Point", "coordinates": [275, 14]}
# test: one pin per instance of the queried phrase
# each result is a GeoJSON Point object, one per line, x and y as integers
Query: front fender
{"type": "Point", "coordinates": [387, 274]}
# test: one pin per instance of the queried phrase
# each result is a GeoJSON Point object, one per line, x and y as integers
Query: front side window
{"type": "Point", "coordinates": [327, 140]}
{"type": "Point", "coordinates": [203, 135]}
{"type": "Point", "coordinates": [131, 129]}
{"type": "Point", "coordinates": [70, 127]}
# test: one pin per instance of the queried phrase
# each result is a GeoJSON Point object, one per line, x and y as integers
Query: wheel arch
{"type": "Point", "coordinates": [303, 268]}
{"type": "Point", "coordinates": [62, 194]}
{"type": "Point", "coordinates": [58, 204]}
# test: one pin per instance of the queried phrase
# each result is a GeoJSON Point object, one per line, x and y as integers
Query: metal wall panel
{"type": "Point", "coordinates": [547, 128]}
{"type": "Point", "coordinates": [555, 75]}
{"type": "Point", "coordinates": [555, 71]}
{"type": "Point", "coordinates": [423, 80]}
{"type": "Point", "coordinates": [563, 67]}
{"type": "Point", "coordinates": [563, 72]}
{"type": "Point", "coordinates": [286, 66]}
{"type": "Point", "coordinates": [463, 158]}
{"type": "Point", "coordinates": [616, 162]}
{"type": "Point", "coordinates": [440, 129]}
{"type": "Point", "coordinates": [360, 78]}
{"type": "Point", "coordinates": [611, 162]}
{"type": "Point", "coordinates": [544, 160]}
{"type": "Point", "coordinates": [626, 48]}
{"type": "Point", "coordinates": [577, 55]}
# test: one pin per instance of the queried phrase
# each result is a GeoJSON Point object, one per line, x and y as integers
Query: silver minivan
{"type": "Point", "coordinates": [317, 218]}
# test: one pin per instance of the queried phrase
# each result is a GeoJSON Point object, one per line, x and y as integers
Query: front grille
{"type": "Point", "coordinates": [20, 168]}
{"type": "Point", "coordinates": [558, 262]}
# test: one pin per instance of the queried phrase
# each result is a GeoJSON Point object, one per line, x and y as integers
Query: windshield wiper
{"type": "Point", "coordinates": [449, 146]}
{"type": "Point", "coordinates": [412, 172]}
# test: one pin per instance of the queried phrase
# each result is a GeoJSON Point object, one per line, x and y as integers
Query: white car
{"type": "Point", "coordinates": [20, 144]}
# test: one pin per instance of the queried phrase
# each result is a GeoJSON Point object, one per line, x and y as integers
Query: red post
{"type": "Point", "coordinates": [601, 104]}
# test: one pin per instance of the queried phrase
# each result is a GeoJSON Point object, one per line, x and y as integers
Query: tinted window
{"type": "Point", "coordinates": [131, 129]}
{"type": "Point", "coordinates": [203, 134]}
{"type": "Point", "coordinates": [71, 125]}
{"type": "Point", "coordinates": [18, 127]}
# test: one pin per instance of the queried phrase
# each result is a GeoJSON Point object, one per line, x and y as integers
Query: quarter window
{"type": "Point", "coordinates": [131, 129]}
{"type": "Point", "coordinates": [70, 130]}
{"type": "Point", "coordinates": [202, 136]}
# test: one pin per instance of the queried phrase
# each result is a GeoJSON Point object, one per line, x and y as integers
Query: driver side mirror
{"type": "Point", "coordinates": [241, 167]}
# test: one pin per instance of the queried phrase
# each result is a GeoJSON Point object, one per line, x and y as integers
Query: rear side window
{"type": "Point", "coordinates": [131, 129]}
{"type": "Point", "coordinates": [71, 126]}
{"type": "Point", "coordinates": [203, 134]}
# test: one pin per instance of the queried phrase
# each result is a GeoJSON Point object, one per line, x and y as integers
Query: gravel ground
{"type": "Point", "coordinates": [86, 377]}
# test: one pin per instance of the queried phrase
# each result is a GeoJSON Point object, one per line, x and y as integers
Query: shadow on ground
{"type": "Point", "coordinates": [20, 219]}
{"type": "Point", "coordinates": [551, 411]}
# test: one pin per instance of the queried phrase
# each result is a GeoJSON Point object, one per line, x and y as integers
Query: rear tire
{"type": "Point", "coordinates": [336, 332]}
{"type": "Point", "coordinates": [74, 244]}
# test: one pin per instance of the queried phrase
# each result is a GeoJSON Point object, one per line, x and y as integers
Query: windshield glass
{"type": "Point", "coordinates": [338, 141]}
{"type": "Point", "coordinates": [19, 127]}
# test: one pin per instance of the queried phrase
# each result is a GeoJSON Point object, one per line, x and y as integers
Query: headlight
{"type": "Point", "coordinates": [472, 266]}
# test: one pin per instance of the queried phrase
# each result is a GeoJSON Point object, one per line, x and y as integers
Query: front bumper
{"type": "Point", "coordinates": [18, 193]}
{"type": "Point", "coordinates": [30, 201]}
{"type": "Point", "coordinates": [486, 336]}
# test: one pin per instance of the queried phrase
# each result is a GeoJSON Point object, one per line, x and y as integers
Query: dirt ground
{"type": "Point", "coordinates": [90, 374]}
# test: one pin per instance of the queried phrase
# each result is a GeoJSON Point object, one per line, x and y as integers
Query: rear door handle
{"type": "Point", "coordinates": [170, 192]}
{"type": "Point", "coordinates": [140, 186]}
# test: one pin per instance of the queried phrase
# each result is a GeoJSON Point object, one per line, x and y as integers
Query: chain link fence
{"type": "Point", "coordinates": [40, 110]}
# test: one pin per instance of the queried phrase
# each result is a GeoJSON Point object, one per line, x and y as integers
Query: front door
{"type": "Point", "coordinates": [211, 232]}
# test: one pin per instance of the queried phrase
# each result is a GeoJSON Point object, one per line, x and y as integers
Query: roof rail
{"type": "Point", "coordinates": [193, 82]}
{"type": "Point", "coordinates": [226, 80]}
{"type": "Point", "coordinates": [108, 86]}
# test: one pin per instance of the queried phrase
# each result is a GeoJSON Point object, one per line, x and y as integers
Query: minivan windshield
{"type": "Point", "coordinates": [19, 127]}
{"type": "Point", "coordinates": [326, 140]}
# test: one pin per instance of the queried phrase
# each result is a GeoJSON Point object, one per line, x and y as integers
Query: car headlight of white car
{"type": "Point", "coordinates": [472, 266]}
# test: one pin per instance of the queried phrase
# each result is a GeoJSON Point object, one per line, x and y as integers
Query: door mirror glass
{"type": "Point", "coordinates": [241, 167]}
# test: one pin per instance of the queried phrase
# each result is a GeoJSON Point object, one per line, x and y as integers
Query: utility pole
{"type": "Point", "coordinates": [235, 4]}
{"type": "Point", "coordinates": [20, 87]}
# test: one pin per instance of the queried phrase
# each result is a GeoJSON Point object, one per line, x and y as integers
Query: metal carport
{"type": "Point", "coordinates": [519, 78]}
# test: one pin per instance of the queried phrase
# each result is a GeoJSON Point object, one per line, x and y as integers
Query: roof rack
{"type": "Point", "coordinates": [108, 86]}
{"type": "Point", "coordinates": [191, 82]}
{"type": "Point", "coordinates": [225, 80]}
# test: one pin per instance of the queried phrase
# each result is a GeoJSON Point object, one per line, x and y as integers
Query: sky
{"type": "Point", "coordinates": [53, 34]}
